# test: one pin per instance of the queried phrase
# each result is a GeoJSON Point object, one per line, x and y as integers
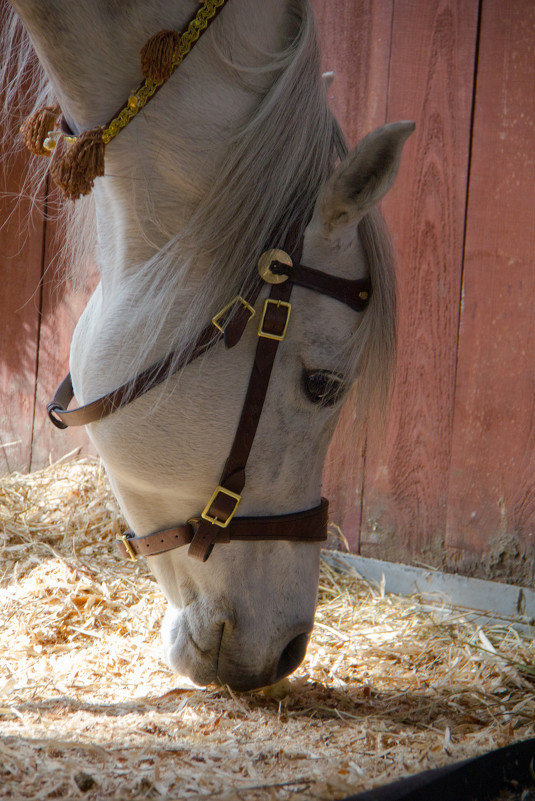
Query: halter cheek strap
{"type": "Point", "coordinates": [225, 500]}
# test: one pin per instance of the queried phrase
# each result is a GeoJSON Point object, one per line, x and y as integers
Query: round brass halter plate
{"type": "Point", "coordinates": [266, 260]}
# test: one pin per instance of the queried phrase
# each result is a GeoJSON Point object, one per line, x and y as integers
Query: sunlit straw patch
{"type": "Point", "coordinates": [87, 707]}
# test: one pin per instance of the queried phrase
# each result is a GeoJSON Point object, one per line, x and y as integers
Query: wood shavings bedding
{"type": "Point", "coordinates": [88, 709]}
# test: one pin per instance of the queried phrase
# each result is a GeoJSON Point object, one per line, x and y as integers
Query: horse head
{"type": "Point", "coordinates": [243, 616]}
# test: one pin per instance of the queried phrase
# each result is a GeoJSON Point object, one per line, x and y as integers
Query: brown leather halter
{"type": "Point", "coordinates": [217, 522]}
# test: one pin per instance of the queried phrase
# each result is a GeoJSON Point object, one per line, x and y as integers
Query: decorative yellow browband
{"type": "Point", "coordinates": [78, 160]}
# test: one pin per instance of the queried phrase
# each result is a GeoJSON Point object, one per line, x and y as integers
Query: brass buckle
{"type": "Point", "coordinates": [278, 303]}
{"type": "Point", "coordinates": [125, 539]}
{"type": "Point", "coordinates": [215, 520]}
{"type": "Point", "coordinates": [225, 309]}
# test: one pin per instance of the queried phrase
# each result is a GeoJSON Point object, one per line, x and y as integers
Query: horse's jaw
{"type": "Point", "coordinates": [232, 627]}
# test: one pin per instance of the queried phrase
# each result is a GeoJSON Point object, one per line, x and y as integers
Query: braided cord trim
{"type": "Point", "coordinates": [135, 103]}
{"type": "Point", "coordinates": [196, 27]}
{"type": "Point", "coordinates": [139, 99]}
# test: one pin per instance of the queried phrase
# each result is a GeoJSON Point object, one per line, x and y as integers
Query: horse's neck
{"type": "Point", "coordinates": [159, 167]}
{"type": "Point", "coordinates": [150, 192]}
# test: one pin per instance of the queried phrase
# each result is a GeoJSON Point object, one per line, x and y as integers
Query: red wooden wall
{"type": "Point", "coordinates": [451, 483]}
{"type": "Point", "coordinates": [37, 317]}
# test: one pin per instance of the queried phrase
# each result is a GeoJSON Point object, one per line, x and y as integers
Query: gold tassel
{"type": "Point", "coordinates": [36, 128]}
{"type": "Point", "coordinates": [157, 56]}
{"type": "Point", "coordinates": [75, 166]}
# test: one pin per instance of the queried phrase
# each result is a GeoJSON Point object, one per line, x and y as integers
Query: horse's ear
{"type": "Point", "coordinates": [363, 177]}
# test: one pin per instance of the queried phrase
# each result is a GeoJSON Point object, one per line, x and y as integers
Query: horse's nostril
{"type": "Point", "coordinates": [292, 656]}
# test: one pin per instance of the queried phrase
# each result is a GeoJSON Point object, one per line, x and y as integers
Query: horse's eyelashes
{"type": "Point", "coordinates": [322, 387]}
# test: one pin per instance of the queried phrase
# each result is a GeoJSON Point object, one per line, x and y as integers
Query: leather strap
{"type": "Point", "coordinates": [58, 408]}
{"type": "Point", "coordinates": [309, 525]}
{"type": "Point", "coordinates": [62, 417]}
{"type": "Point", "coordinates": [224, 502]}
{"type": "Point", "coordinates": [354, 293]}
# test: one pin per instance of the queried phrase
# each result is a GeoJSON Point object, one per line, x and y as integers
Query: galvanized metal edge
{"type": "Point", "coordinates": [488, 600]}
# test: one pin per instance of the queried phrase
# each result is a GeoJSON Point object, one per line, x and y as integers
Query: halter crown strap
{"type": "Point", "coordinates": [229, 326]}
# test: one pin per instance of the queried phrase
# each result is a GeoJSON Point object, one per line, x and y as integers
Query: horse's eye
{"type": "Point", "coordinates": [322, 386]}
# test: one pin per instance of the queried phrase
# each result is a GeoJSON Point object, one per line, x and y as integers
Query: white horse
{"type": "Point", "coordinates": [237, 147]}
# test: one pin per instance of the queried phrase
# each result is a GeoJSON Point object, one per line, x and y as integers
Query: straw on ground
{"type": "Point", "coordinates": [88, 709]}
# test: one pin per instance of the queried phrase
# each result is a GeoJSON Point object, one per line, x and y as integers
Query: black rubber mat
{"type": "Point", "coordinates": [507, 774]}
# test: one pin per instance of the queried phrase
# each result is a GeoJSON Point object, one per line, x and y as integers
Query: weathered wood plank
{"type": "Point", "coordinates": [355, 43]}
{"type": "Point", "coordinates": [431, 81]}
{"type": "Point", "coordinates": [354, 37]}
{"type": "Point", "coordinates": [491, 501]}
{"type": "Point", "coordinates": [21, 236]}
